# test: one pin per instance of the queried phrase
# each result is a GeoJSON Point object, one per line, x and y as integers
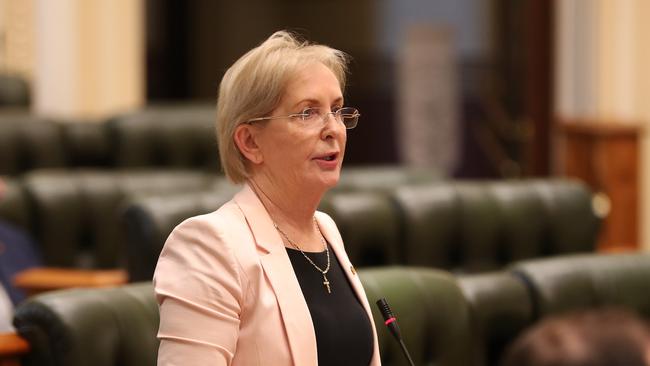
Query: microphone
{"type": "Point", "coordinates": [391, 323]}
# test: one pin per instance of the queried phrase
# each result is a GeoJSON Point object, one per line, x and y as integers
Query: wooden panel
{"type": "Point", "coordinates": [41, 279]}
{"type": "Point", "coordinates": [605, 155]}
{"type": "Point", "coordinates": [12, 346]}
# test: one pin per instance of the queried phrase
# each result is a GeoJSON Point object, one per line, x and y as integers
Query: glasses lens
{"type": "Point", "coordinates": [310, 114]}
{"type": "Point", "coordinates": [350, 117]}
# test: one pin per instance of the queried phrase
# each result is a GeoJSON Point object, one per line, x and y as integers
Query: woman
{"type": "Point", "coordinates": [265, 279]}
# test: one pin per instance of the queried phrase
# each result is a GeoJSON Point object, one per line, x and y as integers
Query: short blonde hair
{"type": "Point", "coordinates": [253, 86]}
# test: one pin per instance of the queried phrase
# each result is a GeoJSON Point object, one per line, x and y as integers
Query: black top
{"type": "Point", "coordinates": [343, 331]}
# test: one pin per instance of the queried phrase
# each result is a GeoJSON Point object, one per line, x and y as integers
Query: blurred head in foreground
{"type": "Point", "coordinates": [605, 337]}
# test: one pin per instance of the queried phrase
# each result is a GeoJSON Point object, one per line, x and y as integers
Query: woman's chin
{"type": "Point", "coordinates": [330, 180]}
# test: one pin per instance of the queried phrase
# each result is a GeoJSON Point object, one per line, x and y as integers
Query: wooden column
{"type": "Point", "coordinates": [605, 155]}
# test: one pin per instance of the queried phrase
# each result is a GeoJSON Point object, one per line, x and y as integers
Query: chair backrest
{"type": "Point", "coordinates": [91, 327]}
{"type": "Point", "coordinates": [117, 326]}
{"type": "Point", "coordinates": [29, 142]}
{"type": "Point", "coordinates": [171, 136]}
{"type": "Point", "coordinates": [584, 281]}
{"type": "Point", "coordinates": [481, 225]}
{"type": "Point", "coordinates": [75, 216]}
{"type": "Point", "coordinates": [180, 136]}
{"type": "Point", "coordinates": [432, 313]}
{"type": "Point", "coordinates": [369, 225]}
{"type": "Point", "coordinates": [14, 205]}
{"type": "Point", "coordinates": [383, 177]}
{"type": "Point", "coordinates": [150, 219]}
{"type": "Point", "coordinates": [500, 309]}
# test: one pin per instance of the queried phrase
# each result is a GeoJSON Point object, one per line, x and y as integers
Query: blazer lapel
{"type": "Point", "coordinates": [332, 235]}
{"type": "Point", "coordinates": [278, 269]}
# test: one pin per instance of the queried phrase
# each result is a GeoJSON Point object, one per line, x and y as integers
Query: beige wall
{"type": "Point", "coordinates": [17, 37]}
{"type": "Point", "coordinates": [89, 57]}
{"type": "Point", "coordinates": [601, 72]}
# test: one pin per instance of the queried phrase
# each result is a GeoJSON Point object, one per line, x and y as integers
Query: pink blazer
{"type": "Point", "coordinates": [228, 294]}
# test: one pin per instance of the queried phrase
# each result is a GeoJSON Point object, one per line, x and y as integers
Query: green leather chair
{"type": "Point", "coordinates": [472, 226]}
{"type": "Point", "coordinates": [383, 177]}
{"type": "Point", "coordinates": [117, 326]}
{"type": "Point", "coordinates": [180, 136]}
{"type": "Point", "coordinates": [500, 308]}
{"type": "Point", "coordinates": [29, 142]}
{"type": "Point", "coordinates": [74, 216]}
{"type": "Point", "coordinates": [369, 225]}
{"type": "Point", "coordinates": [585, 281]}
{"type": "Point", "coordinates": [90, 327]}
{"type": "Point", "coordinates": [149, 220]}
{"type": "Point", "coordinates": [14, 205]}
{"type": "Point", "coordinates": [433, 315]}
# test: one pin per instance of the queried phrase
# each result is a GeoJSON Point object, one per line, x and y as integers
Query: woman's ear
{"type": "Point", "coordinates": [246, 141]}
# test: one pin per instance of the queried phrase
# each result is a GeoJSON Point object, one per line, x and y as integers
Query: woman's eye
{"type": "Point", "coordinates": [310, 113]}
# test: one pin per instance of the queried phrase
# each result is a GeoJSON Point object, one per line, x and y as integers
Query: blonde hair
{"type": "Point", "coordinates": [253, 86]}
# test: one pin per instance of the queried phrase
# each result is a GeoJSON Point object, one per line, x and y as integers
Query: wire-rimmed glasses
{"type": "Point", "coordinates": [311, 116]}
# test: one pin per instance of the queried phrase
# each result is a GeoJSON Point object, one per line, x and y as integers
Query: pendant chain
{"type": "Point", "coordinates": [326, 282]}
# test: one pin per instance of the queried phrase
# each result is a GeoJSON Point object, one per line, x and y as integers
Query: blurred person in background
{"type": "Point", "coordinates": [602, 337]}
{"type": "Point", "coordinates": [17, 253]}
{"type": "Point", "coordinates": [265, 280]}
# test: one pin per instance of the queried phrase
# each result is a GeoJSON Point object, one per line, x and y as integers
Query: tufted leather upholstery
{"type": "Point", "coordinates": [117, 326]}
{"type": "Point", "coordinates": [477, 226]}
{"type": "Point", "coordinates": [28, 142]}
{"type": "Point", "coordinates": [174, 136]}
{"type": "Point", "coordinates": [74, 215]}
{"type": "Point", "coordinates": [503, 304]}
{"type": "Point", "coordinates": [150, 219]}
{"type": "Point", "coordinates": [91, 327]}
{"type": "Point", "coordinates": [368, 224]}
{"type": "Point", "coordinates": [14, 206]}
{"type": "Point", "coordinates": [465, 226]}
{"type": "Point", "coordinates": [579, 281]}
{"type": "Point", "coordinates": [382, 177]}
{"type": "Point", "coordinates": [432, 313]}
{"type": "Point", "coordinates": [445, 320]}
{"type": "Point", "coordinates": [500, 308]}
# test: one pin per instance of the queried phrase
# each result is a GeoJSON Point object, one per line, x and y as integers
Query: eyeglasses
{"type": "Point", "coordinates": [312, 116]}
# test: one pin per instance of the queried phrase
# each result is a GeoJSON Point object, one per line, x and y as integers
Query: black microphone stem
{"type": "Point", "coordinates": [391, 323]}
{"type": "Point", "coordinates": [406, 352]}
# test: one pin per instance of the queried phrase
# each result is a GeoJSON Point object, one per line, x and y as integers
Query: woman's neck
{"type": "Point", "coordinates": [291, 208]}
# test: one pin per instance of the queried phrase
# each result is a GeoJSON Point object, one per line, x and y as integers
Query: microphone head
{"type": "Point", "coordinates": [384, 309]}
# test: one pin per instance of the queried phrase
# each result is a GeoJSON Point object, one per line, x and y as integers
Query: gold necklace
{"type": "Point", "coordinates": [326, 282]}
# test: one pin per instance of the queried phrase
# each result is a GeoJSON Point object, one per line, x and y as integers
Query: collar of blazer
{"type": "Point", "coordinates": [277, 266]}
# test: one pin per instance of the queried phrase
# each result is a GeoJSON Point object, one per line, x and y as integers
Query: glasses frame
{"type": "Point", "coordinates": [303, 116]}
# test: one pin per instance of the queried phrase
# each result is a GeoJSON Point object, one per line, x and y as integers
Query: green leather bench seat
{"type": "Point", "coordinates": [172, 136]}
{"type": "Point", "coordinates": [482, 225]}
{"type": "Point", "coordinates": [432, 313]}
{"type": "Point", "coordinates": [579, 281]}
{"type": "Point", "coordinates": [14, 206]}
{"type": "Point", "coordinates": [150, 219]}
{"type": "Point", "coordinates": [28, 142]}
{"type": "Point", "coordinates": [74, 215]}
{"type": "Point", "coordinates": [369, 225]}
{"type": "Point", "coordinates": [383, 177]}
{"type": "Point", "coordinates": [465, 226]}
{"type": "Point", "coordinates": [503, 304]}
{"type": "Point", "coordinates": [91, 327]}
{"type": "Point", "coordinates": [500, 308]}
{"type": "Point", "coordinates": [117, 326]}
{"type": "Point", "coordinates": [180, 136]}
{"type": "Point", "coordinates": [446, 320]}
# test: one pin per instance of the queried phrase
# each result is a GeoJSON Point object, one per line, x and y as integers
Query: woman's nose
{"type": "Point", "coordinates": [331, 126]}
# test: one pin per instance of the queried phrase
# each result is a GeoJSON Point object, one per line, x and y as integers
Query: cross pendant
{"type": "Point", "coordinates": [326, 283]}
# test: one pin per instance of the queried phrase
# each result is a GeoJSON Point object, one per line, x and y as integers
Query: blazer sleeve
{"type": "Point", "coordinates": [199, 291]}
